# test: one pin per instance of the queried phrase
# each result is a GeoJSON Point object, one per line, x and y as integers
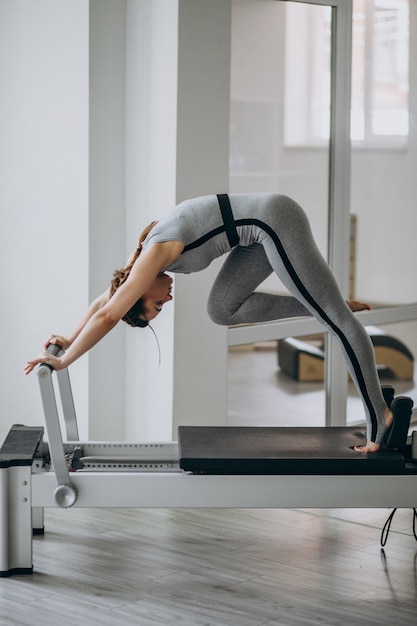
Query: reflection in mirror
{"type": "Point", "coordinates": [279, 131]}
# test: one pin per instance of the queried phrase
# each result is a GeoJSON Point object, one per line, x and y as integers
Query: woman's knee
{"type": "Point", "coordinates": [218, 313]}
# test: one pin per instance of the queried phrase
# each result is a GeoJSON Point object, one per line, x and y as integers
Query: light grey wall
{"type": "Point", "coordinates": [107, 207]}
{"type": "Point", "coordinates": [151, 96]}
{"type": "Point", "coordinates": [44, 192]}
{"type": "Point", "coordinates": [200, 350]}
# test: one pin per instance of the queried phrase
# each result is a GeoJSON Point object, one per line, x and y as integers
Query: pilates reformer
{"type": "Point", "coordinates": [209, 467]}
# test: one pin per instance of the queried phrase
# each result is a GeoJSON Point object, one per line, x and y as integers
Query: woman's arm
{"type": "Point", "coordinates": [95, 306]}
{"type": "Point", "coordinates": [147, 267]}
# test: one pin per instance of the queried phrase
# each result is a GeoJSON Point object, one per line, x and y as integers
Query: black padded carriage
{"type": "Point", "coordinates": [281, 450]}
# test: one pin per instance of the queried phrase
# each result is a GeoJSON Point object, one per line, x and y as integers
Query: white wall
{"type": "Point", "coordinates": [151, 97]}
{"type": "Point", "coordinates": [200, 350]}
{"type": "Point", "coordinates": [107, 207]}
{"type": "Point", "coordinates": [44, 191]}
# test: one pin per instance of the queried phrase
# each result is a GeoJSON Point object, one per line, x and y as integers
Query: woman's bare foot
{"type": "Point", "coordinates": [370, 446]}
{"type": "Point", "coordinates": [356, 306]}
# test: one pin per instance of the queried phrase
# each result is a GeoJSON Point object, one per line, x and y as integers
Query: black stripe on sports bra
{"type": "Point", "coordinates": [228, 219]}
{"type": "Point", "coordinates": [229, 226]}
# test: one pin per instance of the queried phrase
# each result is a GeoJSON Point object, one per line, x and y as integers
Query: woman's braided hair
{"type": "Point", "coordinates": [135, 313]}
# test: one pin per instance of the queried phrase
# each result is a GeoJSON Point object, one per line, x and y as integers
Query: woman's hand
{"type": "Point", "coordinates": [356, 306]}
{"type": "Point", "coordinates": [57, 340]}
{"type": "Point", "coordinates": [48, 358]}
{"type": "Point", "coordinates": [54, 361]}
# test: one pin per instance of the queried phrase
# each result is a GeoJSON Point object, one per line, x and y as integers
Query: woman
{"type": "Point", "coordinates": [262, 233]}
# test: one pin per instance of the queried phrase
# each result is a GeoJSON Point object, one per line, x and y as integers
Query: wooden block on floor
{"type": "Point", "coordinates": [304, 361]}
{"type": "Point", "coordinates": [301, 360]}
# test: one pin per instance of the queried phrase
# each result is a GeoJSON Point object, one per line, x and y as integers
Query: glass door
{"type": "Point", "coordinates": [290, 132]}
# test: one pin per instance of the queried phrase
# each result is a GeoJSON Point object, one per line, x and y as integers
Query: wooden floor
{"type": "Point", "coordinates": [217, 567]}
{"type": "Point", "coordinates": [223, 567]}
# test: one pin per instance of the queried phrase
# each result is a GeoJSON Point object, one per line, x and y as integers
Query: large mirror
{"type": "Point", "coordinates": [279, 142]}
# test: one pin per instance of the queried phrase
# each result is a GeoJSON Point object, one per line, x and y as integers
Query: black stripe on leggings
{"type": "Point", "coordinates": [304, 291]}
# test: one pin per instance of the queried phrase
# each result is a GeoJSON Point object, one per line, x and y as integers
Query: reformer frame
{"type": "Point", "coordinates": [35, 475]}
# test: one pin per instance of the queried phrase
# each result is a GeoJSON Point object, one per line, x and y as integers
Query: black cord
{"type": "Point", "coordinates": [386, 529]}
{"type": "Point", "coordinates": [387, 526]}
{"type": "Point", "coordinates": [157, 343]}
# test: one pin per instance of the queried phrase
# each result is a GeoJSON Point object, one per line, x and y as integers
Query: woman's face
{"type": "Point", "coordinates": [156, 296]}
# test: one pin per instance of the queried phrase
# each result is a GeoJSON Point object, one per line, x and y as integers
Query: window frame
{"type": "Point", "coordinates": [297, 119]}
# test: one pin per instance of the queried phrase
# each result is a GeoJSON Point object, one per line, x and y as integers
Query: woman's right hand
{"type": "Point", "coordinates": [58, 340]}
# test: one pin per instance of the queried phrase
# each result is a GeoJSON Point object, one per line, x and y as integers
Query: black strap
{"type": "Point", "coordinates": [228, 219]}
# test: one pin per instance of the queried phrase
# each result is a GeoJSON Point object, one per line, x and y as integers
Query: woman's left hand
{"type": "Point", "coordinates": [356, 306]}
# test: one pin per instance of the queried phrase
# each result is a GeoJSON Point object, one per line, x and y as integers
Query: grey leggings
{"type": "Point", "coordinates": [286, 246]}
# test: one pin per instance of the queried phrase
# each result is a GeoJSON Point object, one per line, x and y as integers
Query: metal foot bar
{"type": "Point", "coordinates": [65, 493]}
{"type": "Point", "coordinates": [67, 400]}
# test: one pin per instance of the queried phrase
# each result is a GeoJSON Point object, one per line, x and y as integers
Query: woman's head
{"type": "Point", "coordinates": [151, 302]}
{"type": "Point", "coordinates": [156, 296]}
{"type": "Point", "coordinates": [135, 316]}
